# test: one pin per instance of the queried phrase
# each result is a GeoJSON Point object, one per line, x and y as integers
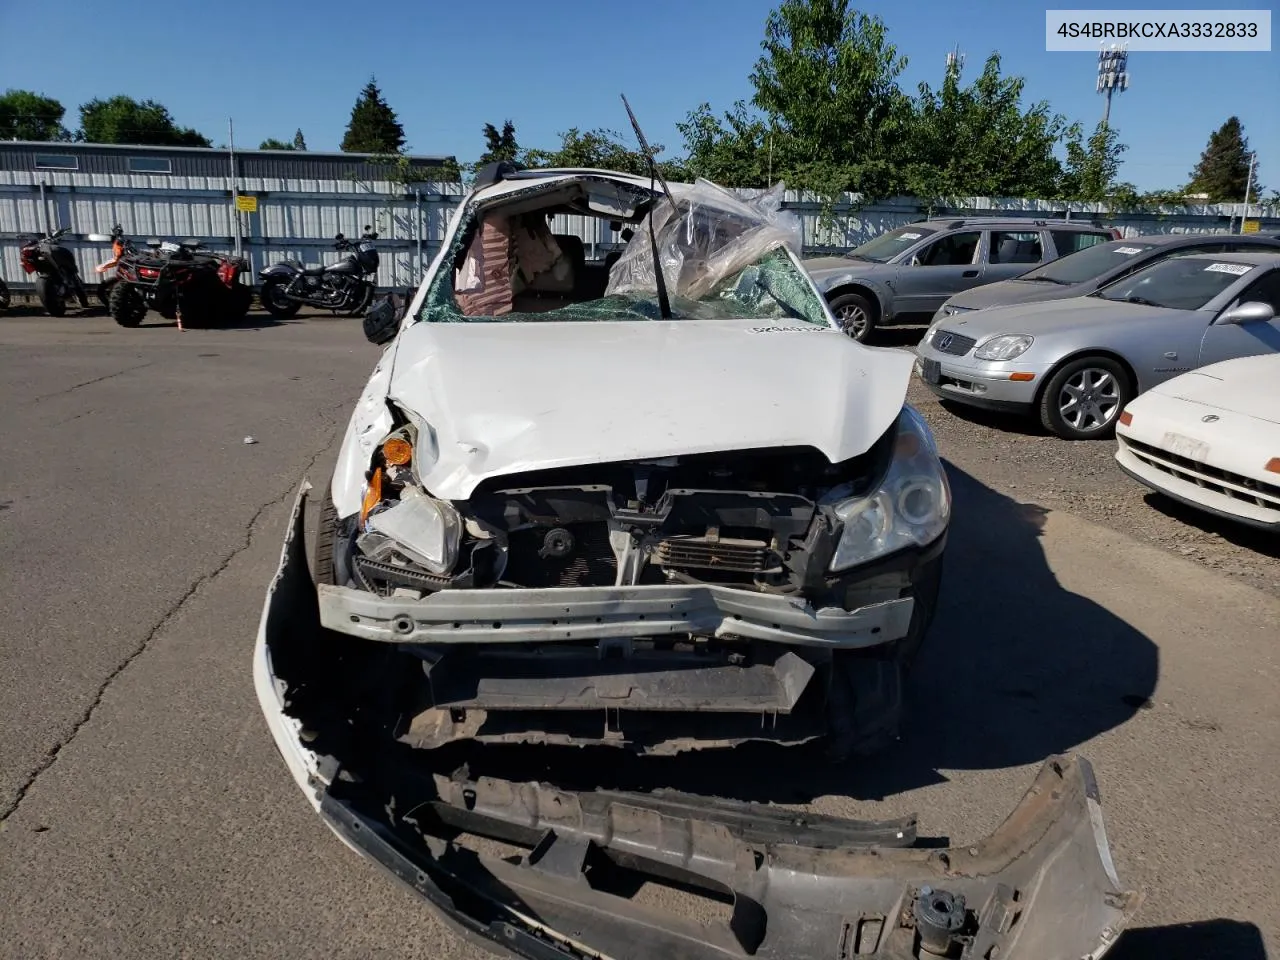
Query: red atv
{"type": "Point", "coordinates": [180, 282]}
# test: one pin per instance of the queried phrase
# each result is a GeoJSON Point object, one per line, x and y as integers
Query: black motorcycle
{"type": "Point", "coordinates": [343, 287]}
{"type": "Point", "coordinates": [57, 276]}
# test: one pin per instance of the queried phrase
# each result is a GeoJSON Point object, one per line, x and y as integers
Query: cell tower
{"type": "Point", "coordinates": [1113, 75]}
{"type": "Point", "coordinates": [955, 59]}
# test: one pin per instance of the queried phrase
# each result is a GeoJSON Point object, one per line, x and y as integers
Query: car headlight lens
{"type": "Point", "coordinates": [1007, 346]}
{"type": "Point", "coordinates": [911, 508]}
{"type": "Point", "coordinates": [422, 529]}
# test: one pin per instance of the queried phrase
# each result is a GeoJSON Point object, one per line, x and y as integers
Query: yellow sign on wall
{"type": "Point", "coordinates": [1250, 226]}
{"type": "Point", "coordinates": [247, 204]}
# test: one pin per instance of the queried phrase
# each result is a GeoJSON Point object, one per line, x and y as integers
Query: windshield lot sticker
{"type": "Point", "coordinates": [1235, 269]}
{"type": "Point", "coordinates": [910, 236]}
{"type": "Point", "coordinates": [1128, 251]}
{"type": "Point", "coordinates": [810, 328]}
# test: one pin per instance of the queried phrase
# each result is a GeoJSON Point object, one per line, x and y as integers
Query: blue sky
{"type": "Point", "coordinates": [447, 68]}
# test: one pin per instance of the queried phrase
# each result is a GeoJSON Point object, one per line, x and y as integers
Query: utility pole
{"type": "Point", "coordinates": [235, 186]}
{"type": "Point", "coordinates": [1247, 185]}
{"type": "Point", "coordinates": [1113, 75]}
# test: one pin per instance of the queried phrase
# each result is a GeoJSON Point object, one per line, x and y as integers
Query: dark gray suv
{"type": "Point", "coordinates": [905, 275]}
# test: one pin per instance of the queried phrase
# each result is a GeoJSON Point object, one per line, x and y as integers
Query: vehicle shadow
{"type": "Point", "coordinates": [1016, 668]}
{"type": "Point", "coordinates": [1029, 426]}
{"type": "Point", "coordinates": [1236, 939]}
{"type": "Point", "coordinates": [1240, 534]}
{"type": "Point", "coordinates": [898, 336]}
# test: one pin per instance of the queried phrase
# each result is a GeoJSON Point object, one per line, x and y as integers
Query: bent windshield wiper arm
{"type": "Point", "coordinates": [660, 282]}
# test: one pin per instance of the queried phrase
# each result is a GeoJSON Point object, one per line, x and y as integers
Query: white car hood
{"type": "Point", "coordinates": [1249, 386]}
{"type": "Point", "coordinates": [503, 398]}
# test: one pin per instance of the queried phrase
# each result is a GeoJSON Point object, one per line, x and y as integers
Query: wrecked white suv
{"type": "Point", "coordinates": [602, 503]}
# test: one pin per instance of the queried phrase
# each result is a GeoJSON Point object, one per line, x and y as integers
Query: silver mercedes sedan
{"type": "Point", "coordinates": [1076, 363]}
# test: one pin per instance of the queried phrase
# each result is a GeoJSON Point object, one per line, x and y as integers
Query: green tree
{"type": "Point", "coordinates": [299, 142]}
{"type": "Point", "coordinates": [732, 151]}
{"type": "Point", "coordinates": [603, 149]}
{"type": "Point", "coordinates": [827, 83]}
{"type": "Point", "coordinates": [1007, 151]}
{"type": "Point", "coordinates": [373, 127]}
{"type": "Point", "coordinates": [499, 144]}
{"type": "Point", "coordinates": [271, 143]}
{"type": "Point", "coordinates": [25, 115]}
{"type": "Point", "coordinates": [1091, 167]}
{"type": "Point", "coordinates": [122, 119]}
{"type": "Point", "coordinates": [1223, 170]}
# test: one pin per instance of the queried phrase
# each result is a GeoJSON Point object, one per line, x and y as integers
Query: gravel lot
{"type": "Point", "coordinates": [1016, 454]}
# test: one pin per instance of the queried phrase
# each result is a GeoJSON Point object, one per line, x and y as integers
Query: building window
{"type": "Point", "coordinates": [150, 165]}
{"type": "Point", "coordinates": [57, 161]}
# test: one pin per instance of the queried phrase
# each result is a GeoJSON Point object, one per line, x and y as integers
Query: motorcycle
{"type": "Point", "coordinates": [343, 287]}
{"type": "Point", "coordinates": [107, 284]}
{"type": "Point", "coordinates": [179, 281]}
{"type": "Point", "coordinates": [57, 276]}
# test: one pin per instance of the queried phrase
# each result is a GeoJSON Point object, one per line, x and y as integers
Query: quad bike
{"type": "Point", "coordinates": [57, 276]}
{"type": "Point", "coordinates": [180, 282]}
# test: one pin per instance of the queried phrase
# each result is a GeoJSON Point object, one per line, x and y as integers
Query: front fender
{"type": "Point", "coordinates": [881, 289]}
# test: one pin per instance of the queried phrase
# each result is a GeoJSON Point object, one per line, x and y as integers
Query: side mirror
{"type": "Point", "coordinates": [1254, 311]}
{"type": "Point", "coordinates": [914, 261]}
{"type": "Point", "coordinates": [382, 320]}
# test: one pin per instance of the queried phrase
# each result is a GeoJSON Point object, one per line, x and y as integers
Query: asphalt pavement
{"type": "Point", "coordinates": [144, 811]}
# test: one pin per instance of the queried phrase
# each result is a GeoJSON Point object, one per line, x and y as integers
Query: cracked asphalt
{"type": "Point", "coordinates": [145, 813]}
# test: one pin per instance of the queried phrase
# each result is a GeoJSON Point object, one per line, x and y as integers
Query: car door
{"type": "Point", "coordinates": [952, 263]}
{"type": "Point", "coordinates": [1011, 253]}
{"type": "Point", "coordinates": [1226, 341]}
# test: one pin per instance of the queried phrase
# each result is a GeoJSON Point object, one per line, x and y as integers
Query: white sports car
{"type": "Point", "coordinates": [1211, 439]}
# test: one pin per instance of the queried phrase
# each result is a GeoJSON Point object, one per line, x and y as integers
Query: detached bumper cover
{"type": "Point", "coordinates": [1042, 886]}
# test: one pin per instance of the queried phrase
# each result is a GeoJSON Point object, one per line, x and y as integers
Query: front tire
{"type": "Point", "coordinates": [855, 314]}
{"type": "Point", "coordinates": [274, 300]}
{"type": "Point", "coordinates": [49, 293]}
{"type": "Point", "coordinates": [1084, 398]}
{"type": "Point", "coordinates": [126, 305]}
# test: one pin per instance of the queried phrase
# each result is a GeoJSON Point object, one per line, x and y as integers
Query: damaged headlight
{"type": "Point", "coordinates": [911, 507]}
{"type": "Point", "coordinates": [399, 521]}
{"type": "Point", "coordinates": [424, 530]}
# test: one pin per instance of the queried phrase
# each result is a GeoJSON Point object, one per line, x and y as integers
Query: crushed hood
{"type": "Point", "coordinates": [503, 398]}
{"type": "Point", "coordinates": [1249, 386]}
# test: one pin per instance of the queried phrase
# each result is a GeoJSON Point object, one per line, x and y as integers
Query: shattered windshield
{"type": "Point", "coordinates": [723, 256]}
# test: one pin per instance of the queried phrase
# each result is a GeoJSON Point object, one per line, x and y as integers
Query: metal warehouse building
{"type": "Point", "coordinates": [302, 199]}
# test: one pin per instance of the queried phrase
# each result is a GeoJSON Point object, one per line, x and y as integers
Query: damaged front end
{"type": "Point", "coordinates": [662, 605]}
{"type": "Point", "coordinates": [544, 872]}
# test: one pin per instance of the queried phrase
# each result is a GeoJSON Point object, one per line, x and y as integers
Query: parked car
{"type": "Point", "coordinates": [1211, 439]}
{"type": "Point", "coordinates": [1076, 363]}
{"type": "Point", "coordinates": [905, 275]}
{"type": "Point", "coordinates": [623, 520]}
{"type": "Point", "coordinates": [1094, 267]}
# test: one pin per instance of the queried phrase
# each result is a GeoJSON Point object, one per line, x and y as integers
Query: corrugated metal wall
{"type": "Point", "coordinates": [299, 218]}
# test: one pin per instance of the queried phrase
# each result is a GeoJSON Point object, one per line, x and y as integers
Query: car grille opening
{"type": "Point", "coordinates": [706, 553]}
{"type": "Point", "coordinates": [955, 344]}
{"type": "Point", "coordinates": [1223, 482]}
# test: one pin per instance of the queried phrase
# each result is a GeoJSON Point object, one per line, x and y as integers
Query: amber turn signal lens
{"type": "Point", "coordinates": [1273, 465]}
{"type": "Point", "coordinates": [1126, 418]}
{"type": "Point", "coordinates": [397, 451]}
{"type": "Point", "coordinates": [1022, 377]}
{"type": "Point", "coordinates": [372, 495]}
